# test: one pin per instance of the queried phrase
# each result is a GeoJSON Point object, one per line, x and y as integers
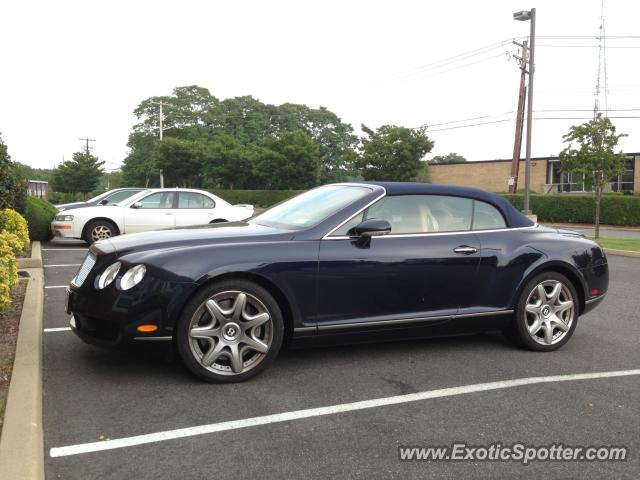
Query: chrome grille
{"type": "Point", "coordinates": [85, 268]}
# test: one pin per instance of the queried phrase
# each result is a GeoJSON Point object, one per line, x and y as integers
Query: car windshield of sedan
{"type": "Point", "coordinates": [310, 208]}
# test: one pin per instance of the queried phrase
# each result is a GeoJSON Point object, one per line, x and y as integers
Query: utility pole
{"type": "Point", "coordinates": [161, 117]}
{"type": "Point", "coordinates": [87, 140]}
{"type": "Point", "coordinates": [529, 16]}
{"type": "Point", "coordinates": [161, 179]}
{"type": "Point", "coordinates": [517, 144]}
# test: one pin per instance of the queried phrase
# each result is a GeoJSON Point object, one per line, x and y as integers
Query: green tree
{"type": "Point", "coordinates": [79, 175]}
{"type": "Point", "coordinates": [393, 153]}
{"type": "Point", "coordinates": [228, 163]}
{"type": "Point", "coordinates": [448, 158]}
{"type": "Point", "coordinates": [590, 152]}
{"type": "Point", "coordinates": [181, 161]}
{"type": "Point", "coordinates": [288, 160]}
{"type": "Point", "coordinates": [13, 182]}
{"type": "Point", "coordinates": [139, 168]}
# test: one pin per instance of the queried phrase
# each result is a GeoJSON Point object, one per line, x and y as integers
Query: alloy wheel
{"type": "Point", "coordinates": [230, 333]}
{"type": "Point", "coordinates": [100, 232]}
{"type": "Point", "coordinates": [549, 312]}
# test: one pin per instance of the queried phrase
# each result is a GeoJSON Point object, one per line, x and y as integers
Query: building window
{"type": "Point", "coordinates": [558, 182]}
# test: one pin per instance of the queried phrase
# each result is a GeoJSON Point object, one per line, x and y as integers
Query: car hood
{"type": "Point", "coordinates": [69, 205]}
{"type": "Point", "coordinates": [216, 233]}
{"type": "Point", "coordinates": [91, 210]}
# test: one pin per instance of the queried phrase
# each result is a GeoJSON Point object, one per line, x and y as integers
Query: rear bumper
{"type": "Point", "coordinates": [593, 303]}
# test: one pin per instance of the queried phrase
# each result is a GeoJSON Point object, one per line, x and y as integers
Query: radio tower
{"type": "Point", "coordinates": [602, 70]}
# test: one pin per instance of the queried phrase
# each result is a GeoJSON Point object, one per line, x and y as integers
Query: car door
{"type": "Point", "coordinates": [422, 269]}
{"type": "Point", "coordinates": [152, 212]}
{"type": "Point", "coordinates": [194, 209]}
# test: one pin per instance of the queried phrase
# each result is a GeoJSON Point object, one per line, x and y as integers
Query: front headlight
{"type": "Point", "coordinates": [109, 275]}
{"type": "Point", "coordinates": [133, 277]}
{"type": "Point", "coordinates": [64, 218]}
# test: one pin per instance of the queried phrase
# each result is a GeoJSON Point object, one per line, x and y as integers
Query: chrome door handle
{"type": "Point", "coordinates": [168, 213]}
{"type": "Point", "coordinates": [465, 250]}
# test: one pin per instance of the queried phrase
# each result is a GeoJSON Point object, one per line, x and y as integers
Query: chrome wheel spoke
{"type": "Point", "coordinates": [535, 326]}
{"type": "Point", "coordinates": [255, 321]}
{"type": "Point", "coordinates": [205, 332]}
{"type": "Point", "coordinates": [213, 354]}
{"type": "Point", "coordinates": [533, 309]}
{"type": "Point", "coordinates": [236, 359]}
{"type": "Point", "coordinates": [542, 294]}
{"type": "Point", "coordinates": [254, 344]}
{"type": "Point", "coordinates": [238, 307]}
{"type": "Point", "coordinates": [548, 333]}
{"type": "Point", "coordinates": [215, 311]}
{"type": "Point", "coordinates": [562, 307]}
{"type": "Point", "coordinates": [555, 293]}
{"type": "Point", "coordinates": [560, 323]}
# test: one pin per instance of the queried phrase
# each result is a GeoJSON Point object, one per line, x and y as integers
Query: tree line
{"type": "Point", "coordinates": [242, 142]}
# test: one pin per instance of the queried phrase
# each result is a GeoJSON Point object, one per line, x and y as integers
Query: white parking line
{"type": "Point", "coordinates": [63, 265]}
{"type": "Point", "coordinates": [316, 412]}
{"type": "Point", "coordinates": [56, 286]}
{"type": "Point", "coordinates": [61, 329]}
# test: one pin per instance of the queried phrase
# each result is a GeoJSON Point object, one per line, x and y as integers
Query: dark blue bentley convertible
{"type": "Point", "coordinates": [343, 263]}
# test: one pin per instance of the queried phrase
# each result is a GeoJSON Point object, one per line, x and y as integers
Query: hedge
{"type": "Point", "coordinates": [39, 215]}
{"type": "Point", "coordinates": [8, 267]}
{"type": "Point", "coordinates": [569, 208]}
{"type": "Point", "coordinates": [257, 198]}
{"type": "Point", "coordinates": [14, 223]}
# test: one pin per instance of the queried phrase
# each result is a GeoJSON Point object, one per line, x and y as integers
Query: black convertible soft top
{"type": "Point", "coordinates": [513, 217]}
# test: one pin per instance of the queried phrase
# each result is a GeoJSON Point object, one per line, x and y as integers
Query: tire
{"type": "Point", "coordinates": [219, 220]}
{"type": "Point", "coordinates": [99, 230]}
{"type": "Point", "coordinates": [545, 325]}
{"type": "Point", "coordinates": [214, 340]}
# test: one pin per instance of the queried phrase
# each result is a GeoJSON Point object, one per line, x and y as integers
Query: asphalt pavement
{"type": "Point", "coordinates": [96, 395]}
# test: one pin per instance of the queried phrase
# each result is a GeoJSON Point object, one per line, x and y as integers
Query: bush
{"type": "Point", "coordinates": [39, 215]}
{"type": "Point", "coordinates": [615, 209]}
{"type": "Point", "coordinates": [8, 268]}
{"type": "Point", "coordinates": [257, 198]}
{"type": "Point", "coordinates": [14, 223]}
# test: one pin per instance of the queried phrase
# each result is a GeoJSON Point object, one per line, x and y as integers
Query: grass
{"type": "Point", "coordinates": [619, 243]}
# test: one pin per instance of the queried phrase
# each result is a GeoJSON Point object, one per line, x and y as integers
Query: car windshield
{"type": "Point", "coordinates": [310, 208]}
{"type": "Point", "coordinates": [97, 197]}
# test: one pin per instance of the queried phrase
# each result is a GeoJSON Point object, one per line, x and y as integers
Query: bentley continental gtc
{"type": "Point", "coordinates": [347, 262]}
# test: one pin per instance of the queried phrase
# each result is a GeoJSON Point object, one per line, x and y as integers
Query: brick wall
{"type": "Point", "coordinates": [492, 176]}
{"type": "Point", "coordinates": [636, 175]}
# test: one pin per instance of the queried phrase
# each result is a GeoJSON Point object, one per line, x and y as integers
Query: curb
{"type": "Point", "coordinates": [622, 253]}
{"type": "Point", "coordinates": [35, 261]}
{"type": "Point", "coordinates": [22, 444]}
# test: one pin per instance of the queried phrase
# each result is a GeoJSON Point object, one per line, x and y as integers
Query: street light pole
{"type": "Point", "coordinates": [531, 16]}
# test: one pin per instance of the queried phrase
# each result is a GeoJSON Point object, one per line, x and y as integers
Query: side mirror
{"type": "Point", "coordinates": [137, 205]}
{"type": "Point", "coordinates": [104, 201]}
{"type": "Point", "coordinates": [373, 227]}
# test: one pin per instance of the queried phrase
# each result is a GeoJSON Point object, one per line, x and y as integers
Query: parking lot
{"type": "Point", "coordinates": [95, 395]}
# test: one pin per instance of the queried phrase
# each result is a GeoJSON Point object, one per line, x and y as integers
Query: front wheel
{"type": "Point", "coordinates": [100, 230]}
{"type": "Point", "coordinates": [547, 313]}
{"type": "Point", "coordinates": [230, 331]}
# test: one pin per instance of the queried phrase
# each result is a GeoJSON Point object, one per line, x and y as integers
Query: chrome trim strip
{"type": "Point", "coordinates": [305, 329]}
{"type": "Point", "coordinates": [384, 192]}
{"type": "Point", "coordinates": [151, 339]}
{"type": "Point", "coordinates": [433, 234]}
{"type": "Point", "coordinates": [341, 326]}
{"type": "Point", "coordinates": [595, 299]}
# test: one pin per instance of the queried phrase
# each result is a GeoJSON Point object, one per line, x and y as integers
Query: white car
{"type": "Point", "coordinates": [152, 209]}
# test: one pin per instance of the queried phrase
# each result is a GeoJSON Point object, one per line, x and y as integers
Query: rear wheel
{"type": "Point", "coordinates": [100, 230]}
{"type": "Point", "coordinates": [230, 331]}
{"type": "Point", "coordinates": [547, 313]}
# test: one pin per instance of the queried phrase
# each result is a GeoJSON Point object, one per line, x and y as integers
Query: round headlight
{"type": "Point", "coordinates": [133, 277]}
{"type": "Point", "coordinates": [109, 275]}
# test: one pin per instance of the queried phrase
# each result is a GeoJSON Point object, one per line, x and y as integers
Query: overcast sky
{"type": "Point", "coordinates": [77, 69]}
